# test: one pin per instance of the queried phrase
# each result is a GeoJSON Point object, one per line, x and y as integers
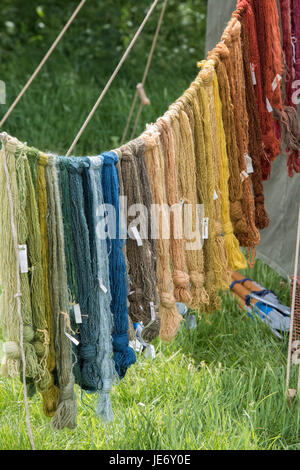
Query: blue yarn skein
{"type": "Point", "coordinates": [124, 356]}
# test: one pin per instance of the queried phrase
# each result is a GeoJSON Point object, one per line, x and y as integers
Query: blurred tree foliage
{"type": "Point", "coordinates": [100, 33]}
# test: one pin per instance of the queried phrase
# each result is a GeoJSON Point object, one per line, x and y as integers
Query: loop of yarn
{"type": "Point", "coordinates": [141, 260]}
{"type": "Point", "coordinates": [117, 268]}
{"type": "Point", "coordinates": [66, 410]}
{"type": "Point", "coordinates": [170, 318]}
{"type": "Point", "coordinates": [105, 342]}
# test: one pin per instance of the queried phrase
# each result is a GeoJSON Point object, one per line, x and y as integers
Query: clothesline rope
{"type": "Point", "coordinates": [44, 60]}
{"type": "Point", "coordinates": [107, 86]}
{"type": "Point", "coordinates": [154, 42]}
{"type": "Point", "coordinates": [18, 294]}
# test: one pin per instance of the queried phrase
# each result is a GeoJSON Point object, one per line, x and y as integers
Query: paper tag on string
{"type": "Point", "coordinates": [77, 313]}
{"type": "Point", "coordinates": [137, 236]}
{"type": "Point", "coordinates": [102, 286]}
{"type": "Point", "coordinates": [152, 310]}
{"type": "Point", "coordinates": [269, 107]}
{"type": "Point", "coordinates": [23, 259]}
{"type": "Point", "coordinates": [244, 175]}
{"type": "Point", "coordinates": [205, 228]}
{"type": "Point", "coordinates": [276, 81]}
{"type": "Point", "coordinates": [249, 164]}
{"type": "Point", "coordinates": [150, 351]}
{"type": "Point", "coordinates": [136, 345]}
{"type": "Point", "coordinates": [71, 338]}
{"type": "Point", "coordinates": [252, 68]}
{"type": "Point", "coordinates": [215, 195]}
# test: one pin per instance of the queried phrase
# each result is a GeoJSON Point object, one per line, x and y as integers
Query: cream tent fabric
{"type": "Point", "coordinates": [282, 194]}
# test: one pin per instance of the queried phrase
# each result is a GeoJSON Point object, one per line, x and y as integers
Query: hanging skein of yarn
{"type": "Point", "coordinates": [29, 224]}
{"type": "Point", "coordinates": [197, 110]}
{"type": "Point", "coordinates": [238, 218]}
{"type": "Point", "coordinates": [10, 365]}
{"type": "Point", "coordinates": [207, 76]}
{"type": "Point", "coordinates": [124, 355]}
{"type": "Point", "coordinates": [295, 15]}
{"type": "Point", "coordinates": [51, 395]}
{"type": "Point", "coordinates": [105, 349]}
{"type": "Point", "coordinates": [85, 263]}
{"type": "Point", "coordinates": [256, 145]}
{"type": "Point", "coordinates": [245, 12]}
{"type": "Point", "coordinates": [181, 279]}
{"type": "Point", "coordinates": [234, 64]}
{"type": "Point", "coordinates": [66, 412]}
{"type": "Point", "coordinates": [170, 318]}
{"type": "Point", "coordinates": [292, 139]}
{"type": "Point", "coordinates": [221, 271]}
{"type": "Point", "coordinates": [187, 187]}
{"type": "Point", "coordinates": [143, 295]}
{"type": "Point", "coordinates": [66, 208]}
{"type": "Point", "coordinates": [234, 254]}
{"type": "Point", "coordinates": [269, 40]}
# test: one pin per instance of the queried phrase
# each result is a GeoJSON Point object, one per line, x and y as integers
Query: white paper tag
{"type": "Point", "coordinates": [269, 107]}
{"type": "Point", "coordinates": [215, 195]}
{"type": "Point", "coordinates": [252, 68]}
{"type": "Point", "coordinates": [244, 175]}
{"type": "Point", "coordinates": [150, 351]}
{"type": "Point", "coordinates": [205, 221]}
{"type": "Point", "coordinates": [23, 259]}
{"type": "Point", "coordinates": [77, 313]}
{"type": "Point", "coordinates": [102, 286]}
{"type": "Point", "coordinates": [71, 338]}
{"type": "Point", "coordinates": [136, 345]}
{"type": "Point", "coordinates": [137, 236]}
{"type": "Point", "coordinates": [152, 310]}
{"type": "Point", "coordinates": [249, 164]}
{"type": "Point", "coordinates": [276, 82]}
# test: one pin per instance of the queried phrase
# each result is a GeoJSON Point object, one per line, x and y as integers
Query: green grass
{"type": "Point", "coordinates": [221, 386]}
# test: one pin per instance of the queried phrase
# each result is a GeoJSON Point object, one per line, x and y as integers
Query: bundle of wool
{"type": "Point", "coordinates": [236, 259]}
{"type": "Point", "coordinates": [238, 218]}
{"type": "Point", "coordinates": [291, 139]}
{"type": "Point", "coordinates": [269, 40]}
{"type": "Point", "coordinates": [187, 187]}
{"type": "Point", "coordinates": [65, 415]}
{"type": "Point", "coordinates": [124, 355]}
{"type": "Point", "coordinates": [234, 64]}
{"type": "Point", "coordinates": [207, 76]}
{"type": "Point", "coordinates": [141, 257]}
{"type": "Point", "coordinates": [85, 266]}
{"type": "Point", "coordinates": [66, 208]}
{"type": "Point", "coordinates": [105, 347]}
{"type": "Point", "coordinates": [197, 104]}
{"type": "Point", "coordinates": [256, 145]}
{"type": "Point", "coordinates": [245, 12]}
{"type": "Point", "coordinates": [295, 14]}
{"type": "Point", "coordinates": [221, 270]}
{"type": "Point", "coordinates": [51, 395]}
{"type": "Point", "coordinates": [29, 225]}
{"type": "Point", "coordinates": [170, 318]}
{"type": "Point", "coordinates": [10, 366]}
{"type": "Point", "coordinates": [181, 279]}
{"type": "Point", "coordinates": [35, 338]}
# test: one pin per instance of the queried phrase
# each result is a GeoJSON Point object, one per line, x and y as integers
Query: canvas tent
{"type": "Point", "coordinates": [282, 194]}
